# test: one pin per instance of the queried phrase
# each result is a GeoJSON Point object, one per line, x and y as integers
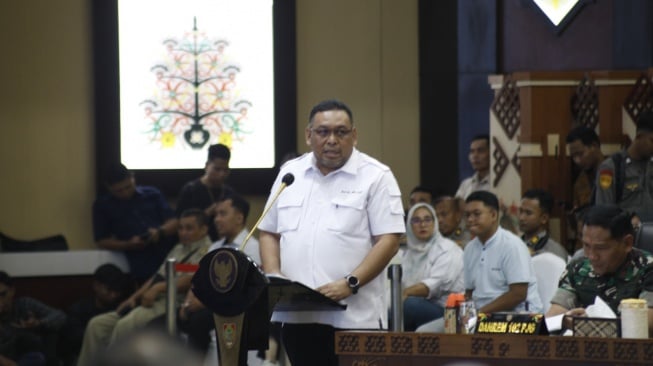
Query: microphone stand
{"type": "Point", "coordinates": [287, 180]}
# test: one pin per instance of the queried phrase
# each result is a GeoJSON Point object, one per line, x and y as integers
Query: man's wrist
{"type": "Point", "coordinates": [353, 283]}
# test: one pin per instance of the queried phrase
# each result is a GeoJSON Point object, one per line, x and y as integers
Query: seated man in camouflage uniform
{"type": "Point", "coordinates": [611, 269]}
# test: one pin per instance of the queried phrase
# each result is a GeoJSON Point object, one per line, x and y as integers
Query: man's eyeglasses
{"type": "Point", "coordinates": [417, 220]}
{"type": "Point", "coordinates": [324, 133]}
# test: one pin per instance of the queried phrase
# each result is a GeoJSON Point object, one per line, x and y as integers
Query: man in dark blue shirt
{"type": "Point", "coordinates": [136, 220]}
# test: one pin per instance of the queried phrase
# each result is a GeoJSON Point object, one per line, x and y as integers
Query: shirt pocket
{"type": "Point", "coordinates": [289, 211]}
{"type": "Point", "coordinates": [632, 190]}
{"type": "Point", "coordinates": [347, 214]}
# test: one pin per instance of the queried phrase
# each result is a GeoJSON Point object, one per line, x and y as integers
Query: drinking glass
{"type": "Point", "coordinates": [467, 317]}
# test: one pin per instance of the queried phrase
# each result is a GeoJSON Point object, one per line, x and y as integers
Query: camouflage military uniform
{"type": "Point", "coordinates": [579, 285]}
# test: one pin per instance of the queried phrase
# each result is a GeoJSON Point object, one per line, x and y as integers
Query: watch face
{"type": "Point", "coordinates": [353, 281]}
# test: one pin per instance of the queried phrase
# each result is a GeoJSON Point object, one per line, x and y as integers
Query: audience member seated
{"type": "Point", "coordinates": [231, 216]}
{"type": "Point", "coordinates": [479, 157]}
{"type": "Point", "coordinates": [106, 328]}
{"type": "Point", "coordinates": [624, 178]}
{"type": "Point", "coordinates": [230, 219]}
{"type": "Point", "coordinates": [612, 269]}
{"type": "Point", "coordinates": [420, 194]}
{"type": "Point", "coordinates": [194, 319]}
{"type": "Point", "coordinates": [29, 329]}
{"type": "Point", "coordinates": [134, 219]}
{"type": "Point", "coordinates": [534, 213]}
{"type": "Point", "coordinates": [432, 268]}
{"type": "Point", "coordinates": [499, 274]}
{"type": "Point", "coordinates": [204, 192]}
{"type": "Point", "coordinates": [450, 220]}
{"type": "Point", "coordinates": [111, 286]}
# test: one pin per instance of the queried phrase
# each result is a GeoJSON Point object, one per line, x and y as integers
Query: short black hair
{"type": "Point", "coordinates": [482, 136]}
{"type": "Point", "coordinates": [586, 135]}
{"type": "Point", "coordinates": [198, 214]}
{"type": "Point", "coordinates": [488, 198]}
{"type": "Point", "coordinates": [330, 105]}
{"type": "Point", "coordinates": [544, 198]}
{"type": "Point", "coordinates": [422, 188]}
{"type": "Point", "coordinates": [456, 201]}
{"type": "Point", "coordinates": [219, 151]}
{"type": "Point", "coordinates": [111, 276]}
{"type": "Point", "coordinates": [6, 279]}
{"type": "Point", "coordinates": [115, 173]}
{"type": "Point", "coordinates": [239, 203]}
{"type": "Point", "coordinates": [610, 217]}
{"type": "Point", "coordinates": [645, 121]}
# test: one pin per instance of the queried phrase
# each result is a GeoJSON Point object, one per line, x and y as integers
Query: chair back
{"type": "Point", "coordinates": [644, 237]}
{"type": "Point", "coordinates": [50, 243]}
{"type": "Point", "coordinates": [548, 268]}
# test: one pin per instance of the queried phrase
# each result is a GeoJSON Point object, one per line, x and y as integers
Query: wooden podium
{"type": "Point", "coordinates": [427, 349]}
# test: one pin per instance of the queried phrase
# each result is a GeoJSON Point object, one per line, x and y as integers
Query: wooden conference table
{"type": "Point", "coordinates": [365, 348]}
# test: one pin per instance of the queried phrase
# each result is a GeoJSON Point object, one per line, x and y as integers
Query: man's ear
{"type": "Point", "coordinates": [545, 219]}
{"type": "Point", "coordinates": [629, 241]}
{"type": "Point", "coordinates": [495, 213]}
{"type": "Point", "coordinates": [307, 135]}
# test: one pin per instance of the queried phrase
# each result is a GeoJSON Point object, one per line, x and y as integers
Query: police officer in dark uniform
{"type": "Point", "coordinates": [626, 178]}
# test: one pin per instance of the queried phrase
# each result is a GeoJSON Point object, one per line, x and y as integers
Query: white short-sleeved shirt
{"type": "Point", "coordinates": [442, 273]}
{"type": "Point", "coordinates": [491, 268]}
{"type": "Point", "coordinates": [473, 184]}
{"type": "Point", "coordinates": [252, 248]}
{"type": "Point", "coordinates": [326, 225]}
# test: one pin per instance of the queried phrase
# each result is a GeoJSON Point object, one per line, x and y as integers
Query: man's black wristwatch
{"type": "Point", "coordinates": [353, 283]}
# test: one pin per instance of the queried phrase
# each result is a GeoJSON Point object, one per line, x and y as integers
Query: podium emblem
{"type": "Point", "coordinates": [229, 334]}
{"type": "Point", "coordinates": [223, 271]}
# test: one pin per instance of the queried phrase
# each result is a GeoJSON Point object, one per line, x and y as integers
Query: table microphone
{"type": "Point", "coordinates": [287, 180]}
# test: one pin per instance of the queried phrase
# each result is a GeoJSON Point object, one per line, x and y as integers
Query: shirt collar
{"type": "Point", "coordinates": [491, 240]}
{"type": "Point", "coordinates": [198, 244]}
{"type": "Point", "coordinates": [476, 179]}
{"type": "Point", "coordinates": [350, 167]}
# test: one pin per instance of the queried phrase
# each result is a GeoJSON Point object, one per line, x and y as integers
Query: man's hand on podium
{"type": "Point", "coordinates": [336, 290]}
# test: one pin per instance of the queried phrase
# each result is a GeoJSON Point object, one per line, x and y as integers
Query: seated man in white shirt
{"type": "Point", "coordinates": [230, 220]}
{"type": "Point", "coordinates": [499, 274]}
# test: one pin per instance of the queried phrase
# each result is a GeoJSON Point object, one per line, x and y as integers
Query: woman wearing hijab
{"type": "Point", "coordinates": [432, 268]}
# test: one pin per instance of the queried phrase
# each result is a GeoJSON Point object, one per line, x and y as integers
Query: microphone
{"type": "Point", "coordinates": [287, 180]}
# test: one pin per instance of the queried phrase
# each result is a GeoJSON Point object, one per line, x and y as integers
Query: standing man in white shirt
{"type": "Point", "coordinates": [335, 230]}
{"type": "Point", "coordinates": [479, 157]}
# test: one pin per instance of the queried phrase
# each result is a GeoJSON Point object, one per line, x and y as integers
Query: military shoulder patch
{"type": "Point", "coordinates": [605, 178]}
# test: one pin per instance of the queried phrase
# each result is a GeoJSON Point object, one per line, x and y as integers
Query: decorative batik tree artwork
{"type": "Point", "coordinates": [193, 74]}
{"type": "Point", "coordinates": [196, 96]}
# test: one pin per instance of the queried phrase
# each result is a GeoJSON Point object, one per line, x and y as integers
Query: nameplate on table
{"type": "Point", "coordinates": [511, 323]}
